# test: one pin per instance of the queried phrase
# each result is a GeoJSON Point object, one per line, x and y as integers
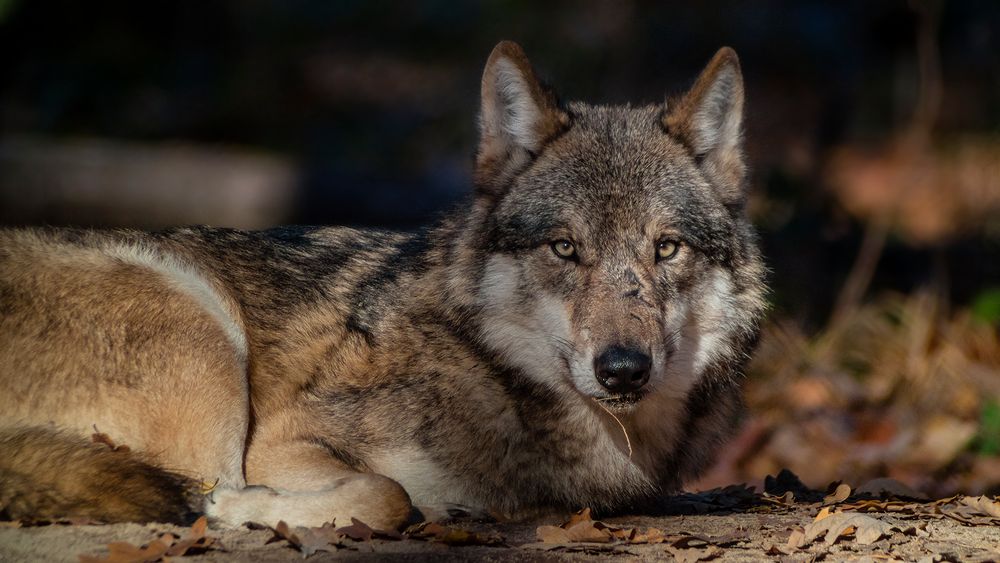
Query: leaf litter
{"type": "Point", "coordinates": [581, 533]}
{"type": "Point", "coordinates": [196, 542]}
{"type": "Point", "coordinates": [882, 513]}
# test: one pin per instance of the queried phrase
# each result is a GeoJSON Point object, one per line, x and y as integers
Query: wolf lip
{"type": "Point", "coordinates": [622, 400]}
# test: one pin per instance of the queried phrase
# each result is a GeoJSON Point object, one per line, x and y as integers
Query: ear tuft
{"type": "Point", "coordinates": [709, 120]}
{"type": "Point", "coordinates": [518, 116]}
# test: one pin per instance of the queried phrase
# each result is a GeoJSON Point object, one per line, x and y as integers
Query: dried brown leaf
{"type": "Point", "coordinates": [357, 531]}
{"type": "Point", "coordinates": [283, 533]}
{"type": "Point", "coordinates": [124, 552]}
{"type": "Point", "coordinates": [867, 530]}
{"type": "Point", "coordinates": [983, 504]}
{"type": "Point", "coordinates": [839, 495]}
{"type": "Point", "coordinates": [577, 517]}
{"type": "Point", "coordinates": [693, 555]}
{"type": "Point", "coordinates": [455, 536]}
{"type": "Point", "coordinates": [580, 547]}
{"type": "Point", "coordinates": [795, 540]}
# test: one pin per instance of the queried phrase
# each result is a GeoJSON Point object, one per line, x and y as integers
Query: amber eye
{"type": "Point", "coordinates": [564, 249]}
{"type": "Point", "coordinates": [667, 249]}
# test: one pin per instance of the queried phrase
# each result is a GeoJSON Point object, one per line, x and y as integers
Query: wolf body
{"type": "Point", "coordinates": [574, 336]}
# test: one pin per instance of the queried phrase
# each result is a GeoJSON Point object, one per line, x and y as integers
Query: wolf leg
{"type": "Point", "coordinates": [302, 484]}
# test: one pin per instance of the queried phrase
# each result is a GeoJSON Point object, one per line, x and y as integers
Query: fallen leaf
{"type": "Point", "coordinates": [453, 536]}
{"type": "Point", "coordinates": [983, 504]}
{"type": "Point", "coordinates": [839, 495]}
{"type": "Point", "coordinates": [651, 535]}
{"type": "Point", "coordinates": [580, 547]}
{"type": "Point", "coordinates": [582, 531]}
{"type": "Point", "coordinates": [283, 533]}
{"type": "Point", "coordinates": [357, 531]}
{"type": "Point", "coordinates": [163, 547]}
{"type": "Point", "coordinates": [124, 552]}
{"type": "Point", "coordinates": [795, 540]}
{"type": "Point", "coordinates": [867, 530]}
{"type": "Point", "coordinates": [196, 541]}
{"type": "Point", "coordinates": [693, 555]}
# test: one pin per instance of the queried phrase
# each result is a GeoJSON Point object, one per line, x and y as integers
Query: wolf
{"type": "Point", "coordinates": [571, 336]}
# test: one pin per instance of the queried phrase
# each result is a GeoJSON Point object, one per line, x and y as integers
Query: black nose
{"type": "Point", "coordinates": [622, 370]}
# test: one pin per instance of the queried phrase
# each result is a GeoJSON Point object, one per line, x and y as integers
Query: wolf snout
{"type": "Point", "coordinates": [622, 370]}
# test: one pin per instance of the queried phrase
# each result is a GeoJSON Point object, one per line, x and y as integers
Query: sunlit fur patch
{"type": "Point", "coordinates": [530, 330]}
{"type": "Point", "coordinates": [702, 329]}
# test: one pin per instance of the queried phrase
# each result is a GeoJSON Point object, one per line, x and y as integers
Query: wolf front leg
{"type": "Point", "coordinates": [301, 483]}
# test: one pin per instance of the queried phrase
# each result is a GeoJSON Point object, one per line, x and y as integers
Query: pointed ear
{"type": "Point", "coordinates": [709, 120]}
{"type": "Point", "coordinates": [518, 116]}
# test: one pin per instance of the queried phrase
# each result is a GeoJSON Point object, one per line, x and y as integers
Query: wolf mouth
{"type": "Point", "coordinates": [622, 401]}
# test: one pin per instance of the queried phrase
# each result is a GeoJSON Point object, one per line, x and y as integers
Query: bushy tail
{"type": "Point", "coordinates": [49, 475]}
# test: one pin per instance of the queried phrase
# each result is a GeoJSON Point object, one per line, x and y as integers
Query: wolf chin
{"type": "Point", "coordinates": [573, 336]}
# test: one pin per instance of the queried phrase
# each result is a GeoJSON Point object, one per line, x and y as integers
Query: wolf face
{"type": "Point", "coordinates": [617, 259]}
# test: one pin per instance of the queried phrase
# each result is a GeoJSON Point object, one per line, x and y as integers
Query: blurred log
{"type": "Point", "coordinates": [97, 182]}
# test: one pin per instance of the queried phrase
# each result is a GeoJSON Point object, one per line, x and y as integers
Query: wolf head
{"type": "Point", "coordinates": [614, 255]}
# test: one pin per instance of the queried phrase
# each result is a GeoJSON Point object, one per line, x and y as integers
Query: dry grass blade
{"type": "Point", "coordinates": [628, 441]}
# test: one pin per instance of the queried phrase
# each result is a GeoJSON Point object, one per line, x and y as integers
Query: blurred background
{"type": "Point", "coordinates": [873, 129]}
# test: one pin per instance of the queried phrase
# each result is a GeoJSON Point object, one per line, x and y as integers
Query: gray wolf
{"type": "Point", "coordinates": [572, 336]}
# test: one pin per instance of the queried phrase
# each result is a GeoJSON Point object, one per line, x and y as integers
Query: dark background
{"type": "Point", "coordinates": [864, 119]}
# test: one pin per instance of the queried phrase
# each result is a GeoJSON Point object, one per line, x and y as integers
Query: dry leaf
{"type": "Point", "coordinates": [580, 547]}
{"type": "Point", "coordinates": [453, 536]}
{"type": "Point", "coordinates": [161, 548]}
{"type": "Point", "coordinates": [582, 531]}
{"type": "Point", "coordinates": [822, 514]}
{"type": "Point", "coordinates": [651, 535]}
{"type": "Point", "coordinates": [282, 532]}
{"type": "Point", "coordinates": [983, 504]}
{"type": "Point", "coordinates": [795, 540]}
{"type": "Point", "coordinates": [839, 495]}
{"type": "Point", "coordinates": [357, 531]}
{"type": "Point", "coordinates": [693, 555]}
{"type": "Point", "coordinates": [867, 530]}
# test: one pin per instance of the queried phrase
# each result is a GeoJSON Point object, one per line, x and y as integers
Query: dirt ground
{"type": "Point", "coordinates": [724, 525]}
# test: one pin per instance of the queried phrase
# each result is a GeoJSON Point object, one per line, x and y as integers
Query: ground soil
{"type": "Point", "coordinates": [739, 535]}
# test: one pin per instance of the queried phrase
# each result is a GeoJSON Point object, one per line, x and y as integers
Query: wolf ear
{"type": "Point", "coordinates": [518, 116]}
{"type": "Point", "coordinates": [709, 120]}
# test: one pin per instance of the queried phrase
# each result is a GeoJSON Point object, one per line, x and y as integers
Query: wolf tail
{"type": "Point", "coordinates": [46, 474]}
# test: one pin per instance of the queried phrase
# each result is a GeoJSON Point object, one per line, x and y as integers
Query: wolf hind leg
{"type": "Point", "coordinates": [49, 474]}
{"type": "Point", "coordinates": [301, 483]}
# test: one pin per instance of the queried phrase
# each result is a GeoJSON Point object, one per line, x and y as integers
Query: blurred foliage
{"type": "Point", "coordinates": [988, 441]}
{"type": "Point", "coordinates": [901, 388]}
{"type": "Point", "coordinates": [987, 306]}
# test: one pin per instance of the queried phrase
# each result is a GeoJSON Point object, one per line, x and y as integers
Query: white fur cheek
{"type": "Point", "coordinates": [701, 334]}
{"type": "Point", "coordinates": [714, 320]}
{"type": "Point", "coordinates": [526, 339]}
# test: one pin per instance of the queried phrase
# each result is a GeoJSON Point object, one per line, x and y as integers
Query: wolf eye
{"type": "Point", "coordinates": [564, 249]}
{"type": "Point", "coordinates": [667, 249]}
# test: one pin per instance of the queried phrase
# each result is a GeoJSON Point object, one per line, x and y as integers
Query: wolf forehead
{"type": "Point", "coordinates": [613, 170]}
